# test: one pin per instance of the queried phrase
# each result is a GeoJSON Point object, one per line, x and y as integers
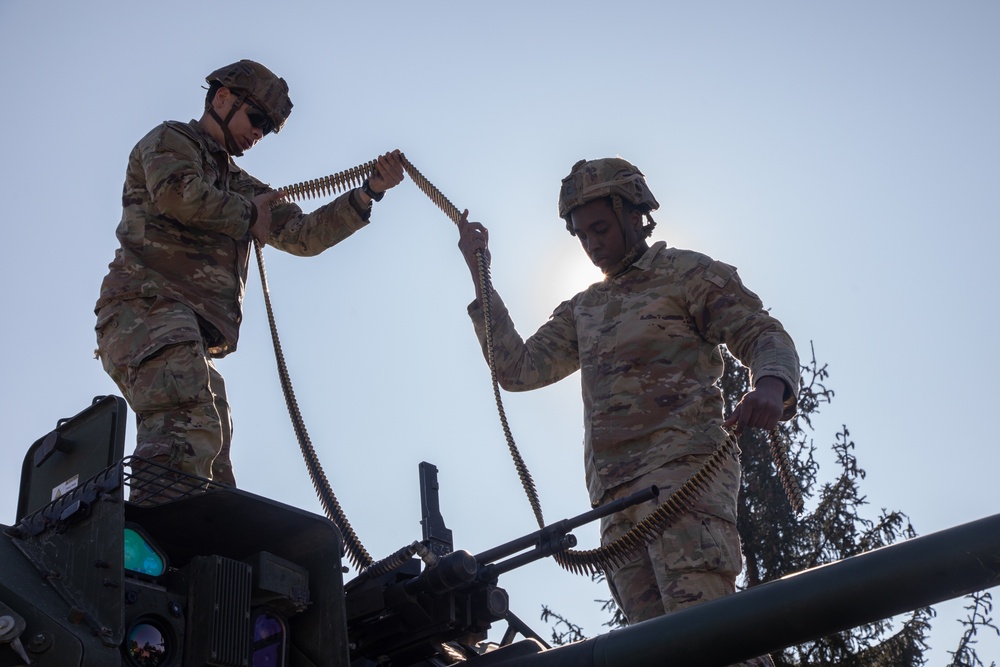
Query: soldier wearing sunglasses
{"type": "Point", "coordinates": [171, 302]}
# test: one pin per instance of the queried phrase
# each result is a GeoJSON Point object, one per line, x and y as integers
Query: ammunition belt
{"type": "Point", "coordinates": [593, 561]}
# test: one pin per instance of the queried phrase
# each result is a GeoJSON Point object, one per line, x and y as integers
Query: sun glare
{"type": "Point", "coordinates": [569, 272]}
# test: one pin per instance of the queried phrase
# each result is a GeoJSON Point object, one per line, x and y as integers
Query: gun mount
{"type": "Point", "coordinates": [224, 578]}
{"type": "Point", "coordinates": [405, 614]}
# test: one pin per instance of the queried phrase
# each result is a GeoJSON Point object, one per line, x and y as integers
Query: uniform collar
{"type": "Point", "coordinates": [645, 261]}
{"type": "Point", "coordinates": [213, 146]}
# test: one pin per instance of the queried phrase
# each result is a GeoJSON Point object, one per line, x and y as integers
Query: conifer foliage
{"type": "Point", "coordinates": [833, 526]}
{"type": "Point", "coordinates": [777, 542]}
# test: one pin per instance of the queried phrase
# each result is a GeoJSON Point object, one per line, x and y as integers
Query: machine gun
{"type": "Point", "coordinates": [405, 614]}
{"type": "Point", "coordinates": [221, 577]}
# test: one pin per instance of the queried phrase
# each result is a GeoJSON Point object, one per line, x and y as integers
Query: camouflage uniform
{"type": "Point", "coordinates": [172, 298]}
{"type": "Point", "coordinates": [647, 344]}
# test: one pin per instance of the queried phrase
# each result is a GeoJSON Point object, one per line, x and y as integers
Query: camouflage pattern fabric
{"type": "Point", "coordinates": [184, 232]}
{"type": "Point", "coordinates": [698, 557]}
{"type": "Point", "coordinates": [647, 345]}
{"type": "Point", "coordinates": [696, 560]}
{"type": "Point", "coordinates": [173, 296]}
{"type": "Point", "coordinates": [152, 348]}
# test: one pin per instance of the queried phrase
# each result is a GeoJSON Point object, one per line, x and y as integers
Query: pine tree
{"type": "Point", "coordinates": [777, 541]}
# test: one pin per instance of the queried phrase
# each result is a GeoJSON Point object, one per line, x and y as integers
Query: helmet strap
{"type": "Point", "coordinates": [636, 248]}
{"type": "Point", "coordinates": [627, 261]}
{"type": "Point", "coordinates": [647, 230]}
{"type": "Point", "coordinates": [231, 144]}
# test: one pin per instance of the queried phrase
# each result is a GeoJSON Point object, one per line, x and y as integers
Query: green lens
{"type": "Point", "coordinates": [140, 556]}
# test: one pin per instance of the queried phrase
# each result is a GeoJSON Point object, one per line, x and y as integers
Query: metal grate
{"type": "Point", "coordinates": [151, 483]}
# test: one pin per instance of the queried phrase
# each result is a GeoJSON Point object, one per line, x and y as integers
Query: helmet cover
{"type": "Point", "coordinates": [605, 177]}
{"type": "Point", "coordinates": [266, 90]}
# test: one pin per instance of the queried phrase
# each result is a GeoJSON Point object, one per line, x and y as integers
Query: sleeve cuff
{"type": "Point", "coordinates": [365, 212]}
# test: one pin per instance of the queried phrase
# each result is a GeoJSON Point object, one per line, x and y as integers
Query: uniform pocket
{"type": "Point", "coordinates": [721, 546]}
{"type": "Point", "coordinates": [113, 320]}
{"type": "Point", "coordinates": [107, 322]}
{"type": "Point", "coordinates": [107, 317]}
{"type": "Point", "coordinates": [169, 377]}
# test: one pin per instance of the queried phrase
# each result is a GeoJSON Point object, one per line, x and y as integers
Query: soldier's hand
{"type": "Point", "coordinates": [261, 229]}
{"type": "Point", "coordinates": [472, 238]}
{"type": "Point", "coordinates": [388, 172]}
{"type": "Point", "coordinates": [760, 408]}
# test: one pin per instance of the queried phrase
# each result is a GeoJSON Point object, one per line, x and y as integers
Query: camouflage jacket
{"type": "Point", "coordinates": [184, 232]}
{"type": "Point", "coordinates": [647, 344]}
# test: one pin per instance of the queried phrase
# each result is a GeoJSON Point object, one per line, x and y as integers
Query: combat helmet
{"type": "Point", "coordinates": [266, 90]}
{"type": "Point", "coordinates": [606, 177]}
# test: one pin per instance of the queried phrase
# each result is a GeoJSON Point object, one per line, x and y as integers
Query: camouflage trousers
{"type": "Point", "coordinates": [154, 351]}
{"type": "Point", "coordinates": [697, 558]}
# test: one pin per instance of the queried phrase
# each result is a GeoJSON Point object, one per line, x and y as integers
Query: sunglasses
{"type": "Point", "coordinates": [258, 118]}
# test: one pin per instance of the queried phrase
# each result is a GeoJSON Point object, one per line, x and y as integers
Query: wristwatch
{"type": "Point", "coordinates": [367, 189]}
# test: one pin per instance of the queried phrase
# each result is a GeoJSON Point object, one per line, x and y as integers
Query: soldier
{"type": "Point", "coordinates": [172, 299]}
{"type": "Point", "coordinates": [646, 340]}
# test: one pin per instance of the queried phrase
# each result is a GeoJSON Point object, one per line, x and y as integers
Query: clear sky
{"type": "Point", "coordinates": [844, 156]}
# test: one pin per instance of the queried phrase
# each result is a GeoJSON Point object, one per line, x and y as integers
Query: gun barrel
{"type": "Point", "coordinates": [554, 531]}
{"type": "Point", "coordinates": [805, 606]}
{"type": "Point", "coordinates": [493, 570]}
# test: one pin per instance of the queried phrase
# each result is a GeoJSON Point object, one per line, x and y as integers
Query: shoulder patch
{"type": "Point", "coordinates": [183, 128]}
{"type": "Point", "coordinates": [176, 137]}
{"type": "Point", "coordinates": [718, 273]}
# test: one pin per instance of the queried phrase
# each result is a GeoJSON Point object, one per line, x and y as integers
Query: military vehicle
{"type": "Point", "coordinates": [203, 574]}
